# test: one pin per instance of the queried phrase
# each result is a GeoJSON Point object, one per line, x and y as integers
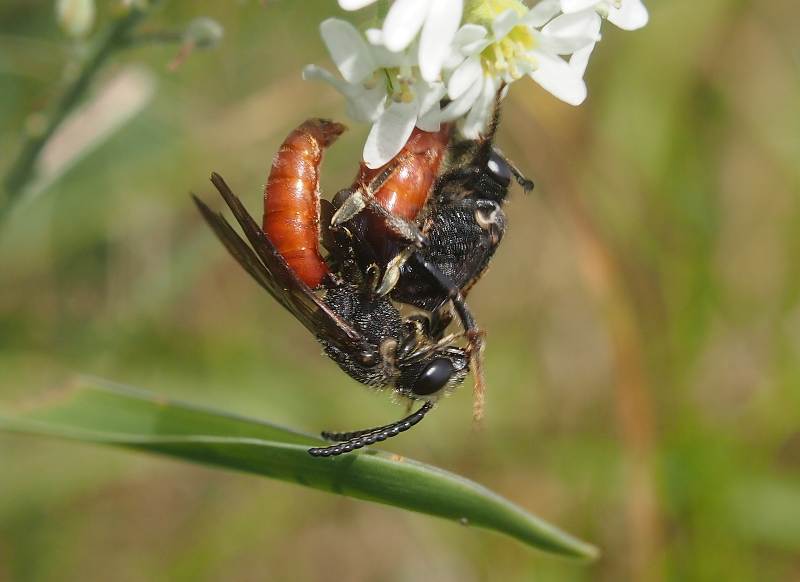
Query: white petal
{"type": "Point", "coordinates": [348, 49]}
{"type": "Point", "coordinates": [476, 46]}
{"type": "Point", "coordinates": [556, 76]}
{"type": "Point", "coordinates": [466, 75]}
{"type": "Point", "coordinates": [469, 40]}
{"type": "Point", "coordinates": [355, 4]}
{"type": "Point", "coordinates": [468, 34]}
{"type": "Point", "coordinates": [367, 104]}
{"type": "Point", "coordinates": [386, 59]}
{"type": "Point", "coordinates": [541, 13]}
{"type": "Point", "coordinates": [458, 107]}
{"type": "Point", "coordinates": [561, 46]}
{"type": "Point", "coordinates": [315, 73]}
{"type": "Point", "coordinates": [481, 110]}
{"type": "Point", "coordinates": [568, 6]}
{"type": "Point", "coordinates": [453, 61]}
{"type": "Point", "coordinates": [580, 24]}
{"type": "Point", "coordinates": [362, 104]}
{"type": "Point", "coordinates": [431, 121]}
{"type": "Point", "coordinates": [435, 43]}
{"type": "Point", "coordinates": [569, 32]}
{"type": "Point", "coordinates": [428, 95]}
{"type": "Point", "coordinates": [403, 22]}
{"type": "Point", "coordinates": [504, 22]}
{"type": "Point", "coordinates": [390, 133]}
{"type": "Point", "coordinates": [580, 59]}
{"type": "Point", "coordinates": [374, 36]}
{"type": "Point", "coordinates": [630, 16]}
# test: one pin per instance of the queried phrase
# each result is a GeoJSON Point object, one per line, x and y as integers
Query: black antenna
{"type": "Point", "coordinates": [361, 438]}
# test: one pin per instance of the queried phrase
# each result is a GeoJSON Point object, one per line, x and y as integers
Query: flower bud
{"type": "Point", "coordinates": [75, 17]}
{"type": "Point", "coordinates": [203, 33]}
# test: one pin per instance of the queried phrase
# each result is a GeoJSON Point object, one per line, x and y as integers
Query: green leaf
{"type": "Point", "coordinates": [92, 411]}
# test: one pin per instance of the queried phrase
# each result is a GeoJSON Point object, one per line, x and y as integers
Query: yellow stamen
{"type": "Point", "coordinates": [508, 57]}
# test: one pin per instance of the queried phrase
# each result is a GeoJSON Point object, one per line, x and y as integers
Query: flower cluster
{"type": "Point", "coordinates": [435, 61]}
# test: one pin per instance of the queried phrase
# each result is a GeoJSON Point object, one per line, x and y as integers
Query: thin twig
{"type": "Point", "coordinates": [115, 36]}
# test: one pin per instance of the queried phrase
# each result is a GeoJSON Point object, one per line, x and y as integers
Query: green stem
{"type": "Point", "coordinates": [155, 37]}
{"type": "Point", "coordinates": [113, 37]}
{"type": "Point", "coordinates": [383, 10]}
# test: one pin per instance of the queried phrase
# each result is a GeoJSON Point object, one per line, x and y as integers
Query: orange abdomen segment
{"type": "Point", "coordinates": [291, 198]}
{"type": "Point", "coordinates": [406, 191]}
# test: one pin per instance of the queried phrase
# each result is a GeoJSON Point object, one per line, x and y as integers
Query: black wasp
{"type": "Point", "coordinates": [461, 227]}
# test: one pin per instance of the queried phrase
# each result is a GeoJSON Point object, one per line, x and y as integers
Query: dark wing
{"type": "Point", "coordinates": [271, 271]}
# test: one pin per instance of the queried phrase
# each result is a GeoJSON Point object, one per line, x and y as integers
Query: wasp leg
{"type": "Point", "coordinates": [474, 335]}
{"type": "Point", "coordinates": [361, 438]}
{"type": "Point", "coordinates": [453, 292]}
{"type": "Point", "coordinates": [354, 201]}
{"type": "Point", "coordinates": [417, 331]}
{"type": "Point", "coordinates": [391, 274]}
{"type": "Point", "coordinates": [351, 201]}
{"type": "Point", "coordinates": [406, 230]}
{"type": "Point", "coordinates": [326, 234]}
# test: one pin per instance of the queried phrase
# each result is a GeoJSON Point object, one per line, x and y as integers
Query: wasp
{"type": "Point", "coordinates": [374, 225]}
{"type": "Point", "coordinates": [439, 256]}
{"type": "Point", "coordinates": [362, 332]}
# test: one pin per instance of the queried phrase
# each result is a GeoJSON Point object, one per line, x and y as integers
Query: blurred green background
{"type": "Point", "coordinates": [643, 314]}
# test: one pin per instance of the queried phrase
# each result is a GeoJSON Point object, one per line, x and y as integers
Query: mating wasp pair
{"type": "Point", "coordinates": [419, 231]}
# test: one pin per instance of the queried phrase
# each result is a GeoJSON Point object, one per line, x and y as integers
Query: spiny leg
{"type": "Point", "coordinates": [473, 333]}
{"type": "Point", "coordinates": [361, 438]}
{"type": "Point", "coordinates": [352, 201]}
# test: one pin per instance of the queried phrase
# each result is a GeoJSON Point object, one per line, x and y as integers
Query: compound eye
{"type": "Point", "coordinates": [434, 377]}
{"type": "Point", "coordinates": [499, 169]}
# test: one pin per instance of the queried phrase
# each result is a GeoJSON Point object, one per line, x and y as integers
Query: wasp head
{"type": "Point", "coordinates": [437, 372]}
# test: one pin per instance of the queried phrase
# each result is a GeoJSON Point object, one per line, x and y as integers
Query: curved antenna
{"type": "Point", "coordinates": [361, 438]}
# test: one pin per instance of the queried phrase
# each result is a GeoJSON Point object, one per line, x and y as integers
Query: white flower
{"type": "Point", "coordinates": [435, 21]}
{"type": "Point", "coordinates": [394, 78]}
{"type": "Point", "coordinates": [438, 22]}
{"type": "Point", "coordinates": [355, 4]}
{"type": "Point", "coordinates": [382, 87]}
{"type": "Point", "coordinates": [509, 46]}
{"type": "Point", "coordinates": [626, 14]}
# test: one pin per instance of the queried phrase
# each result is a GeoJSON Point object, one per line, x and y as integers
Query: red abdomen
{"type": "Point", "coordinates": [406, 191]}
{"type": "Point", "coordinates": [291, 198]}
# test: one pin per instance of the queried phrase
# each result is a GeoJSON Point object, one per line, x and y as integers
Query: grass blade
{"type": "Point", "coordinates": [99, 413]}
